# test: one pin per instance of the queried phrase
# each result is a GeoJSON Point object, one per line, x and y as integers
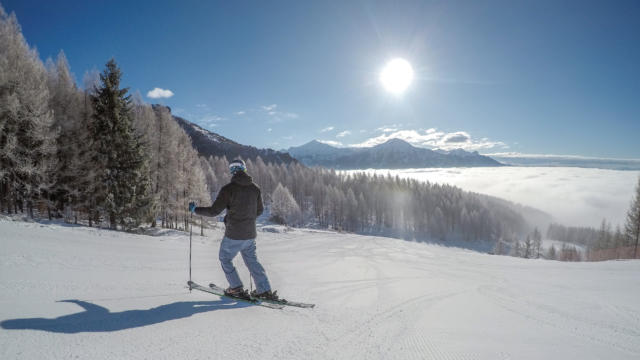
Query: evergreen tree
{"type": "Point", "coordinates": [528, 246]}
{"type": "Point", "coordinates": [552, 254]}
{"type": "Point", "coordinates": [516, 250]}
{"type": "Point", "coordinates": [537, 242]}
{"type": "Point", "coordinates": [123, 184]}
{"type": "Point", "coordinates": [632, 226]}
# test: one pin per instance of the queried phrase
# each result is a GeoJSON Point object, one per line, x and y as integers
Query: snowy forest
{"type": "Point", "coordinates": [99, 155]}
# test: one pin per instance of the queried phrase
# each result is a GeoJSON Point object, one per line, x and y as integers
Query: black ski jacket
{"type": "Point", "coordinates": [243, 201]}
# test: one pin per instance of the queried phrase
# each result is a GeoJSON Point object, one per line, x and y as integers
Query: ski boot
{"type": "Point", "coordinates": [267, 295]}
{"type": "Point", "coordinates": [237, 292]}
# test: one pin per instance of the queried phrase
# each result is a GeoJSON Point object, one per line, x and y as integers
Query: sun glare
{"type": "Point", "coordinates": [396, 76]}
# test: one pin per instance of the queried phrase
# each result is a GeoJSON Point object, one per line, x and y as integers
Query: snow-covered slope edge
{"type": "Point", "coordinates": [79, 292]}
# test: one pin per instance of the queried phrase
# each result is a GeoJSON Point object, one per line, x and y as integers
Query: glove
{"type": "Point", "coordinates": [192, 206]}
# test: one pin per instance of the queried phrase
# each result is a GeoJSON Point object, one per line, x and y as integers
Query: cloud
{"type": "Point", "coordinates": [158, 93]}
{"type": "Point", "coordinates": [344, 133]}
{"type": "Point", "coordinates": [331, 142]}
{"type": "Point", "coordinates": [433, 139]}
{"type": "Point", "coordinates": [278, 116]}
{"type": "Point", "coordinates": [240, 112]}
{"type": "Point", "coordinates": [457, 137]}
{"type": "Point", "coordinates": [389, 128]}
{"type": "Point", "coordinates": [211, 118]}
{"type": "Point", "coordinates": [328, 128]}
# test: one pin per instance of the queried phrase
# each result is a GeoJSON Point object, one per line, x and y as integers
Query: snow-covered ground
{"type": "Point", "coordinates": [75, 292]}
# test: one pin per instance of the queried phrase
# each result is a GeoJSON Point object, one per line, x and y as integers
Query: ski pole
{"type": "Point", "coordinates": [190, 235]}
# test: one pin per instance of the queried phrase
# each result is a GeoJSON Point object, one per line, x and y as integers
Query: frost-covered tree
{"type": "Point", "coordinates": [528, 247]}
{"type": "Point", "coordinates": [551, 253]}
{"type": "Point", "coordinates": [27, 136]}
{"type": "Point", "coordinates": [284, 208]}
{"type": "Point", "coordinates": [176, 172]}
{"type": "Point", "coordinates": [516, 249]}
{"type": "Point", "coordinates": [66, 102]}
{"type": "Point", "coordinates": [536, 238]}
{"type": "Point", "coordinates": [632, 225]}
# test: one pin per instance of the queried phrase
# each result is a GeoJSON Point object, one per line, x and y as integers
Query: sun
{"type": "Point", "coordinates": [396, 76]}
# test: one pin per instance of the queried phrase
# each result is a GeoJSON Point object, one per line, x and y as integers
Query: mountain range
{"type": "Point", "coordinates": [393, 154]}
{"type": "Point", "coordinates": [208, 143]}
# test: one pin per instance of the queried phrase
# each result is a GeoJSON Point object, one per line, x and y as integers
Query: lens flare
{"type": "Point", "coordinates": [396, 76]}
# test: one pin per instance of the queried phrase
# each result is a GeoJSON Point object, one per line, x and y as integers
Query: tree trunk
{"type": "Point", "coordinates": [635, 250]}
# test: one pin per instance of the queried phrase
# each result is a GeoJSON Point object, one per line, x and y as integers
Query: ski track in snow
{"type": "Point", "coordinates": [76, 292]}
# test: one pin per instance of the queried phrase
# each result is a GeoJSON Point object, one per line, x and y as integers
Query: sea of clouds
{"type": "Point", "coordinates": [573, 196]}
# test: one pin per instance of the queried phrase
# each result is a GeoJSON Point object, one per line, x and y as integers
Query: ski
{"type": "Point", "coordinates": [275, 302]}
{"type": "Point", "coordinates": [220, 292]}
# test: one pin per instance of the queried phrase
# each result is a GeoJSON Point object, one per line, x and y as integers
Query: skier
{"type": "Point", "coordinates": [243, 201]}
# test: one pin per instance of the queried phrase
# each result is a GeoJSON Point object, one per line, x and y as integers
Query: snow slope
{"type": "Point", "coordinates": [75, 292]}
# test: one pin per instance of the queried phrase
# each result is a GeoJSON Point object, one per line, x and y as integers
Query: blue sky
{"type": "Point", "coordinates": [543, 77]}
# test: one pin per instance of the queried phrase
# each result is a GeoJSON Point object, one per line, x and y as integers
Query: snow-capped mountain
{"type": "Point", "coordinates": [393, 154]}
{"type": "Point", "coordinates": [208, 143]}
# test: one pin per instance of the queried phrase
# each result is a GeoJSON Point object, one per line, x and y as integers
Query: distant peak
{"type": "Point", "coordinates": [395, 142]}
{"type": "Point", "coordinates": [315, 144]}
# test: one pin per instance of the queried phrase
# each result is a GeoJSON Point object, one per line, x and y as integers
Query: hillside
{"type": "Point", "coordinates": [76, 292]}
{"type": "Point", "coordinates": [208, 143]}
{"type": "Point", "coordinates": [393, 154]}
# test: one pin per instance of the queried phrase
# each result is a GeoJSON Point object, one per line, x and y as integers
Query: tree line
{"type": "Point", "coordinates": [596, 244]}
{"type": "Point", "coordinates": [98, 153]}
{"type": "Point", "coordinates": [323, 198]}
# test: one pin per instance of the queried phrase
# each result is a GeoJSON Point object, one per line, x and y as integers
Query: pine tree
{"type": "Point", "coordinates": [552, 254]}
{"type": "Point", "coordinates": [632, 226]}
{"type": "Point", "coordinates": [123, 190]}
{"type": "Point", "coordinates": [537, 242]}
{"type": "Point", "coordinates": [528, 244]}
{"type": "Point", "coordinates": [516, 250]}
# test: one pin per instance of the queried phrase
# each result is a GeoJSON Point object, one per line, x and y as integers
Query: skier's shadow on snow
{"type": "Point", "coordinates": [96, 318]}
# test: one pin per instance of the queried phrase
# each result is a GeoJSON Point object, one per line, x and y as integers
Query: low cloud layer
{"type": "Point", "coordinates": [158, 93]}
{"type": "Point", "coordinates": [566, 160]}
{"type": "Point", "coordinates": [433, 139]}
{"type": "Point", "coordinates": [573, 196]}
